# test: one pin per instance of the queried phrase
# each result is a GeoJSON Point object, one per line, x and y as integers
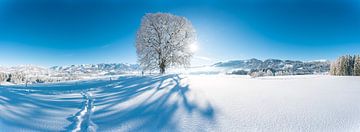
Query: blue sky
{"type": "Point", "coordinates": [63, 32]}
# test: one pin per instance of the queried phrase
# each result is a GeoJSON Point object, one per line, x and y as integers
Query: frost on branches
{"type": "Point", "coordinates": [346, 66]}
{"type": "Point", "coordinates": [164, 41]}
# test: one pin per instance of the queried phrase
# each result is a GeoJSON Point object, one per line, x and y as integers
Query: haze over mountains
{"type": "Point", "coordinates": [36, 74]}
{"type": "Point", "coordinates": [105, 69]}
{"type": "Point", "coordinates": [281, 67]}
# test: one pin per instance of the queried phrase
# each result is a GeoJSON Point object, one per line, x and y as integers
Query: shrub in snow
{"type": "Point", "coordinates": [164, 40]}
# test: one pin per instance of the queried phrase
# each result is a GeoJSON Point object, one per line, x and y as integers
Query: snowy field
{"type": "Point", "coordinates": [185, 103]}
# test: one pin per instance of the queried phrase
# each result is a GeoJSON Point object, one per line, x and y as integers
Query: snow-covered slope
{"type": "Point", "coordinates": [185, 103]}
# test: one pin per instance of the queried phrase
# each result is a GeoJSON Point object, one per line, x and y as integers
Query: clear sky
{"type": "Point", "coordinates": [63, 32]}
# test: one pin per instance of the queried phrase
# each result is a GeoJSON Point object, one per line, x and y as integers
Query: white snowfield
{"type": "Point", "coordinates": [185, 103]}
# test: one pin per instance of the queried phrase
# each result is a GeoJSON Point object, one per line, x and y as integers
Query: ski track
{"type": "Point", "coordinates": [82, 119]}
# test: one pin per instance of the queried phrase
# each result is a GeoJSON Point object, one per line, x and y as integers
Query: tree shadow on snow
{"type": "Point", "coordinates": [31, 110]}
{"type": "Point", "coordinates": [163, 99]}
{"type": "Point", "coordinates": [42, 107]}
{"type": "Point", "coordinates": [131, 103]}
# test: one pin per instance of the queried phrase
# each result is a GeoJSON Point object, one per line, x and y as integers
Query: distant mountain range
{"type": "Point", "coordinates": [105, 69]}
{"type": "Point", "coordinates": [288, 67]}
{"type": "Point", "coordinates": [36, 74]}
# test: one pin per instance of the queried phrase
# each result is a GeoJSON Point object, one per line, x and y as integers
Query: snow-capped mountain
{"type": "Point", "coordinates": [105, 69]}
{"type": "Point", "coordinates": [34, 74]}
{"type": "Point", "coordinates": [26, 69]}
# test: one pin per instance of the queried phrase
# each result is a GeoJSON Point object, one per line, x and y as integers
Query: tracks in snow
{"type": "Point", "coordinates": [82, 119]}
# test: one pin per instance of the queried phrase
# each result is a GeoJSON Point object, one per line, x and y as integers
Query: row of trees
{"type": "Point", "coordinates": [262, 72]}
{"type": "Point", "coordinates": [16, 77]}
{"type": "Point", "coordinates": [275, 72]}
{"type": "Point", "coordinates": [346, 66]}
{"type": "Point", "coordinates": [22, 78]}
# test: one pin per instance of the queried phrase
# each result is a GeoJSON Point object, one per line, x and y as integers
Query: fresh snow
{"type": "Point", "coordinates": [185, 103]}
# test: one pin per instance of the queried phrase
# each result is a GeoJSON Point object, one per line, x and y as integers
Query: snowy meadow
{"type": "Point", "coordinates": [185, 103]}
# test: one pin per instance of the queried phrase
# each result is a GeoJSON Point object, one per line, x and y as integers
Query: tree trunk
{"type": "Point", "coordinates": [162, 70]}
{"type": "Point", "coordinates": [162, 67]}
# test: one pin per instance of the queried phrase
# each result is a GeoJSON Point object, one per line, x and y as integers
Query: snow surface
{"type": "Point", "coordinates": [185, 103]}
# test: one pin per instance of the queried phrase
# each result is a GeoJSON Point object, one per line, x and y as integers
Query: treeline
{"type": "Point", "coordinates": [16, 77]}
{"type": "Point", "coordinates": [346, 66]}
{"type": "Point", "coordinates": [267, 72]}
{"type": "Point", "coordinates": [22, 78]}
{"type": "Point", "coordinates": [275, 72]}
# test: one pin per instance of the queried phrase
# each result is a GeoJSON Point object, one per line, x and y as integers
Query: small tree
{"type": "Point", "coordinates": [357, 65]}
{"type": "Point", "coordinates": [333, 68]}
{"type": "Point", "coordinates": [342, 66]}
{"type": "Point", "coordinates": [163, 41]}
{"type": "Point", "coordinates": [350, 65]}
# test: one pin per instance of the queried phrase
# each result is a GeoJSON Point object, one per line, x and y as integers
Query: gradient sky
{"type": "Point", "coordinates": [63, 32]}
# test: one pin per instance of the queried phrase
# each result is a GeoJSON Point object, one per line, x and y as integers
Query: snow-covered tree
{"type": "Point", "coordinates": [164, 40]}
{"type": "Point", "coordinates": [342, 66]}
{"type": "Point", "coordinates": [346, 66]}
{"type": "Point", "coordinates": [356, 65]}
{"type": "Point", "coordinates": [334, 68]}
{"type": "Point", "coordinates": [16, 77]}
{"type": "Point", "coordinates": [269, 72]}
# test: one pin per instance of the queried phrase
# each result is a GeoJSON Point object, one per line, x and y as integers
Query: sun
{"type": "Point", "coordinates": [193, 47]}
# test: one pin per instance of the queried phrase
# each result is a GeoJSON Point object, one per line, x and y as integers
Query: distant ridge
{"type": "Point", "coordinates": [289, 66]}
{"type": "Point", "coordinates": [110, 69]}
{"type": "Point", "coordinates": [35, 74]}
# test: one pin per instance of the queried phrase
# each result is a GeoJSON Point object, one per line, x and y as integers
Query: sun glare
{"type": "Point", "coordinates": [193, 47]}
